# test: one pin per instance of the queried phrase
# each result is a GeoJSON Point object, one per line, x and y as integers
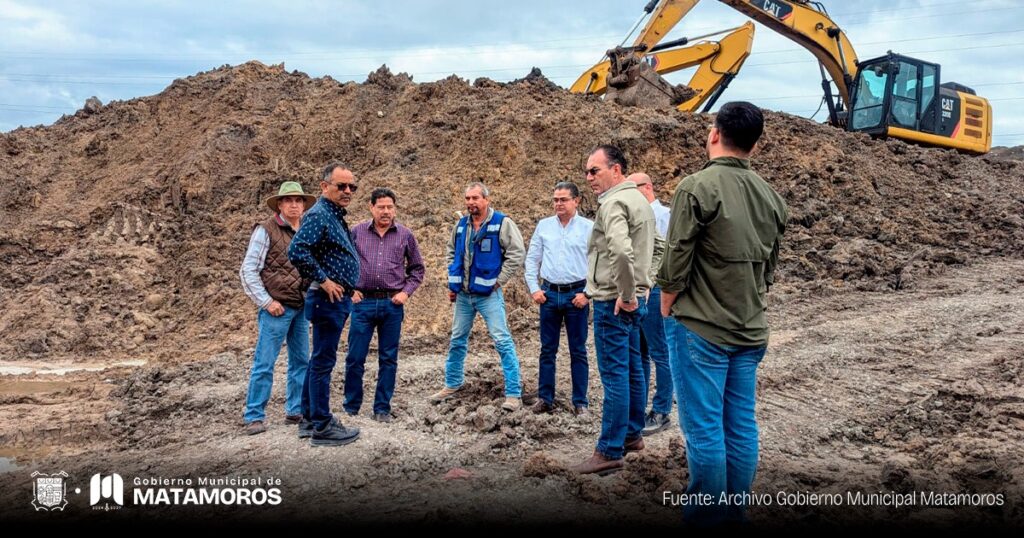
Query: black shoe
{"type": "Point", "coordinates": [542, 407]}
{"type": "Point", "coordinates": [305, 429]}
{"type": "Point", "coordinates": [383, 417]}
{"type": "Point", "coordinates": [334, 435]}
{"type": "Point", "coordinates": [655, 422]}
{"type": "Point", "coordinates": [351, 413]}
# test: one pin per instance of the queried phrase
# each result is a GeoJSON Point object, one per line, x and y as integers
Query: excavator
{"type": "Point", "coordinates": [888, 96]}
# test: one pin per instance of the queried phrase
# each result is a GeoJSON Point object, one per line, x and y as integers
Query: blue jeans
{"type": "Point", "coordinates": [492, 309]}
{"type": "Point", "coordinates": [273, 331]}
{"type": "Point", "coordinates": [654, 348]}
{"type": "Point", "coordinates": [715, 387]}
{"type": "Point", "coordinates": [617, 342]}
{"type": "Point", "coordinates": [367, 315]}
{"type": "Point", "coordinates": [328, 320]}
{"type": "Point", "coordinates": [558, 309]}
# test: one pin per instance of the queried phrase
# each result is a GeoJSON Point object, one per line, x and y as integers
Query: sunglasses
{"type": "Point", "coordinates": [351, 187]}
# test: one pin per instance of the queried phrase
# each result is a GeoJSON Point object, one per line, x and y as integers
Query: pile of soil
{"type": "Point", "coordinates": [125, 224]}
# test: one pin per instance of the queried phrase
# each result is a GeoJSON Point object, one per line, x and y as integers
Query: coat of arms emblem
{"type": "Point", "coordinates": [49, 491]}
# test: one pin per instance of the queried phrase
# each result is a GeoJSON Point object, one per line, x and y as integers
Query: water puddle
{"type": "Point", "coordinates": [26, 368]}
{"type": "Point", "coordinates": [23, 388]}
{"type": "Point", "coordinates": [7, 465]}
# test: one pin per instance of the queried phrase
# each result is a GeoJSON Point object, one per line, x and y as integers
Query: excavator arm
{"type": "Point", "coordinates": [717, 64]}
{"type": "Point", "coordinates": [664, 17]}
{"type": "Point", "coordinates": [808, 24]}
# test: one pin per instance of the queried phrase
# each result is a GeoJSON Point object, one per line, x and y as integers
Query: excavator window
{"type": "Point", "coordinates": [904, 92]}
{"type": "Point", "coordinates": [929, 89]}
{"type": "Point", "coordinates": [869, 98]}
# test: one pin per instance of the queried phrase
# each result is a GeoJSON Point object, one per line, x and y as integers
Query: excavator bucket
{"type": "Point", "coordinates": [633, 81]}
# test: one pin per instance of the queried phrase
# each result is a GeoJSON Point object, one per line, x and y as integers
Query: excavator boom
{"type": "Point", "coordinates": [663, 19]}
{"type": "Point", "coordinates": [808, 24]}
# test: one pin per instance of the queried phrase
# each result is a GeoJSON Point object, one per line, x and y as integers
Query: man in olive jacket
{"type": "Point", "coordinates": [720, 259]}
{"type": "Point", "coordinates": [618, 278]}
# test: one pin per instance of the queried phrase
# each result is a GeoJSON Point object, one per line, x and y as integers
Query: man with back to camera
{"type": "Point", "coordinates": [723, 247]}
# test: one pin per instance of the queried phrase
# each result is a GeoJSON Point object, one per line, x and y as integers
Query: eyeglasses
{"type": "Point", "coordinates": [352, 187]}
{"type": "Point", "coordinates": [592, 171]}
{"type": "Point", "coordinates": [638, 185]}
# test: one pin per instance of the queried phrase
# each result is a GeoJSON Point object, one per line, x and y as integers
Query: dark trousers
{"type": "Point", "coordinates": [386, 318]}
{"type": "Point", "coordinates": [328, 320]}
{"type": "Point", "coordinates": [558, 309]}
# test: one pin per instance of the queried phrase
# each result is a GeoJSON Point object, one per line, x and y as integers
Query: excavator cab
{"type": "Point", "coordinates": [900, 96]}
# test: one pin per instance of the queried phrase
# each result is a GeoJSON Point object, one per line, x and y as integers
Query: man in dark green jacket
{"type": "Point", "coordinates": [720, 258]}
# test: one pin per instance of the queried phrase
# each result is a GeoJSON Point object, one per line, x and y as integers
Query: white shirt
{"type": "Point", "coordinates": [558, 253]}
{"type": "Point", "coordinates": [252, 265]}
{"type": "Point", "coordinates": [661, 216]}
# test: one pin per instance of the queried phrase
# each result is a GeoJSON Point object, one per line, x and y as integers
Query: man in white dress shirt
{"type": "Point", "coordinates": [556, 274]}
{"type": "Point", "coordinates": [655, 342]}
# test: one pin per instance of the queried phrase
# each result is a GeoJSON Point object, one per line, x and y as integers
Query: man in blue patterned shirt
{"type": "Point", "coordinates": [323, 252]}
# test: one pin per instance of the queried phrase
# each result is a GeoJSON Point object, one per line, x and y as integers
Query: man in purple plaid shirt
{"type": "Point", "coordinates": [392, 269]}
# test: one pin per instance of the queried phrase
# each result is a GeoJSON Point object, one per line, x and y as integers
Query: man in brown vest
{"type": "Point", "coordinates": [271, 281]}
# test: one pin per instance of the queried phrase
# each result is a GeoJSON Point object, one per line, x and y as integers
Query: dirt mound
{"type": "Point", "coordinates": [125, 224]}
{"type": "Point", "coordinates": [1015, 153]}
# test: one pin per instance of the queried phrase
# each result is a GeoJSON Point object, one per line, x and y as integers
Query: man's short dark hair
{"type": "Point", "coordinates": [568, 186]}
{"type": "Point", "coordinates": [325, 176]}
{"type": "Point", "coordinates": [740, 124]}
{"type": "Point", "coordinates": [382, 192]}
{"type": "Point", "coordinates": [614, 155]}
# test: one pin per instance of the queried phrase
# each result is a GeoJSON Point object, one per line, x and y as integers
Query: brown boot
{"type": "Point", "coordinates": [633, 445]}
{"type": "Point", "coordinates": [598, 464]}
{"type": "Point", "coordinates": [255, 427]}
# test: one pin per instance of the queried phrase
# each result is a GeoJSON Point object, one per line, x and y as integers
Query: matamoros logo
{"type": "Point", "coordinates": [203, 490]}
{"type": "Point", "coordinates": [107, 492]}
{"type": "Point", "coordinates": [108, 489]}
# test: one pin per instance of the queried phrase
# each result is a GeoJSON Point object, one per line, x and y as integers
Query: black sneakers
{"type": "Point", "coordinates": [655, 422]}
{"type": "Point", "coordinates": [305, 429]}
{"type": "Point", "coordinates": [334, 435]}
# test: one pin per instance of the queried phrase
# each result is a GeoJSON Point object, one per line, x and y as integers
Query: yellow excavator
{"type": "Point", "coordinates": [891, 95]}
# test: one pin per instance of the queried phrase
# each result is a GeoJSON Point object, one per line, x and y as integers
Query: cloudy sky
{"type": "Point", "coordinates": [54, 54]}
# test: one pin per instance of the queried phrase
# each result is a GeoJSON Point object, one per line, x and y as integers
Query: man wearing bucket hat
{"type": "Point", "coordinates": [270, 280]}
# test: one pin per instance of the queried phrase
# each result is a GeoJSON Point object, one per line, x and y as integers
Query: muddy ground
{"type": "Point", "coordinates": [861, 391]}
{"type": "Point", "coordinates": [894, 365]}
